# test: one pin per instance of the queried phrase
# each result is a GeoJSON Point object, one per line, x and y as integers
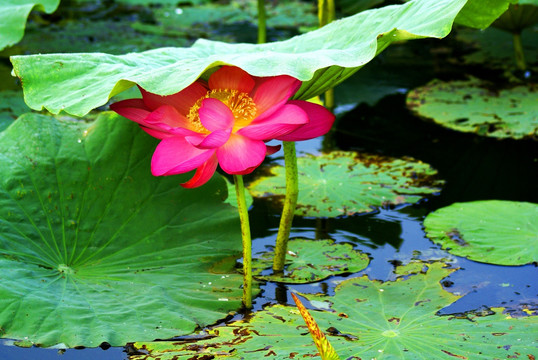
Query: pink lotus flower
{"type": "Point", "coordinates": [225, 121]}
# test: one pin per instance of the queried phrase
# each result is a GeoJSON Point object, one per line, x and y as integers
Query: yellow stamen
{"type": "Point", "coordinates": [241, 104]}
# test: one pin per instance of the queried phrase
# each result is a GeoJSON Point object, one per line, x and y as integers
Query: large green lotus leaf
{"type": "Point", "coordinates": [13, 14]}
{"type": "Point", "coordinates": [311, 260]}
{"type": "Point", "coordinates": [478, 107]}
{"type": "Point", "coordinates": [368, 320]}
{"type": "Point", "coordinates": [347, 183]}
{"type": "Point", "coordinates": [323, 58]}
{"type": "Point", "coordinates": [492, 231]}
{"type": "Point", "coordinates": [93, 248]}
{"type": "Point", "coordinates": [481, 13]}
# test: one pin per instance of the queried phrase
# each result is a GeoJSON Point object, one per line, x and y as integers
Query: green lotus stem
{"type": "Point", "coordinates": [290, 202]}
{"type": "Point", "coordinates": [329, 99]}
{"type": "Point", "coordinates": [247, 242]}
{"type": "Point", "coordinates": [262, 28]}
{"type": "Point", "coordinates": [520, 55]}
{"type": "Point", "coordinates": [326, 14]}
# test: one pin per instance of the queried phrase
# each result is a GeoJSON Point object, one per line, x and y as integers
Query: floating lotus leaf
{"type": "Point", "coordinates": [312, 260]}
{"type": "Point", "coordinates": [367, 320]}
{"type": "Point", "coordinates": [77, 83]}
{"type": "Point", "coordinates": [478, 107]}
{"type": "Point", "coordinates": [94, 249]}
{"type": "Point", "coordinates": [493, 231]}
{"type": "Point", "coordinates": [13, 14]}
{"type": "Point", "coordinates": [347, 183]}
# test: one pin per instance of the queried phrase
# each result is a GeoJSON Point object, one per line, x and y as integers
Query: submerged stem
{"type": "Point", "coordinates": [262, 28]}
{"type": "Point", "coordinates": [290, 202]}
{"type": "Point", "coordinates": [518, 50]}
{"type": "Point", "coordinates": [247, 243]}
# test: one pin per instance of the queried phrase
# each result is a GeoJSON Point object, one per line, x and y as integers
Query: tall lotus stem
{"type": "Point", "coordinates": [247, 243]}
{"type": "Point", "coordinates": [518, 49]}
{"type": "Point", "coordinates": [290, 202]}
{"type": "Point", "coordinates": [262, 28]}
{"type": "Point", "coordinates": [327, 14]}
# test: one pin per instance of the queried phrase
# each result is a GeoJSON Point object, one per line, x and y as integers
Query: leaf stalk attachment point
{"type": "Point", "coordinates": [247, 242]}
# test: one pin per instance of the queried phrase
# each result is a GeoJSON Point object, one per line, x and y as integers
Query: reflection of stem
{"type": "Point", "coordinates": [322, 229]}
{"type": "Point", "coordinates": [262, 30]}
{"type": "Point", "coordinates": [518, 49]}
{"type": "Point", "coordinates": [247, 243]}
{"type": "Point", "coordinates": [292, 192]}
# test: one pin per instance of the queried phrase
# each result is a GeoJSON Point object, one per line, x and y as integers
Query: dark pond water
{"type": "Point", "coordinates": [474, 168]}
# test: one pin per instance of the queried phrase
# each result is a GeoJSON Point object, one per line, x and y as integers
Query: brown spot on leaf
{"type": "Point", "coordinates": [455, 236]}
{"type": "Point", "coordinates": [422, 301]}
{"type": "Point", "coordinates": [456, 356]}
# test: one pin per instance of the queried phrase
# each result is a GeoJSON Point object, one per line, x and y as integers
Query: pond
{"type": "Point", "coordinates": [374, 116]}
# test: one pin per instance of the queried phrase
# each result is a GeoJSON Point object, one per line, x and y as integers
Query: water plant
{"type": "Point", "coordinates": [96, 250]}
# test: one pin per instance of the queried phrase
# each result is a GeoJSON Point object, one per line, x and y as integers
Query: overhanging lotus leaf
{"type": "Point", "coordinates": [368, 320]}
{"type": "Point", "coordinates": [94, 249]}
{"type": "Point", "coordinates": [347, 183]}
{"type": "Point", "coordinates": [491, 231]}
{"type": "Point", "coordinates": [476, 106]}
{"type": "Point", "coordinates": [13, 14]}
{"type": "Point", "coordinates": [481, 13]}
{"type": "Point", "coordinates": [311, 260]}
{"type": "Point", "coordinates": [77, 83]}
